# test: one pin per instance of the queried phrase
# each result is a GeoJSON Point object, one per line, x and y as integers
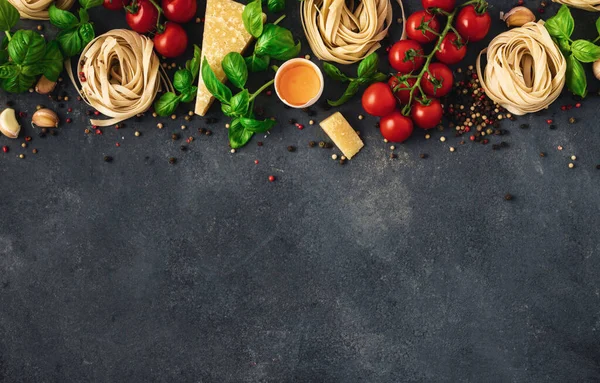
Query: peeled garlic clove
{"type": "Point", "coordinates": [517, 17]}
{"type": "Point", "coordinates": [44, 86]}
{"type": "Point", "coordinates": [45, 118]}
{"type": "Point", "coordinates": [596, 69]}
{"type": "Point", "coordinates": [9, 126]}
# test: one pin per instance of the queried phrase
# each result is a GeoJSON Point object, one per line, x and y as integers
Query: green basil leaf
{"type": "Point", "coordinates": [61, 18]}
{"type": "Point", "coordinates": [252, 18]}
{"type": "Point", "coordinates": [598, 25]}
{"type": "Point", "coordinates": [276, 5]}
{"type": "Point", "coordinates": [3, 56]}
{"type": "Point", "coordinates": [256, 63]}
{"type": "Point", "coordinates": [9, 70]}
{"type": "Point", "coordinates": [235, 69]}
{"type": "Point", "coordinates": [562, 24]}
{"type": "Point", "coordinates": [84, 15]}
{"type": "Point", "coordinates": [166, 104]}
{"type": "Point", "coordinates": [257, 126]}
{"type": "Point", "coordinates": [18, 84]}
{"type": "Point", "coordinates": [189, 95]}
{"type": "Point", "coordinates": [87, 4]}
{"type": "Point", "coordinates": [70, 42]}
{"type": "Point", "coordinates": [214, 86]}
{"type": "Point", "coordinates": [350, 91]}
{"type": "Point", "coordinates": [576, 80]}
{"type": "Point", "coordinates": [26, 47]}
{"type": "Point", "coordinates": [238, 135]}
{"type": "Point", "coordinates": [368, 65]}
{"type": "Point", "coordinates": [334, 72]}
{"type": "Point", "coordinates": [290, 53]}
{"type": "Point", "coordinates": [564, 45]}
{"type": "Point", "coordinates": [378, 77]}
{"type": "Point", "coordinates": [86, 31]}
{"type": "Point", "coordinates": [585, 51]}
{"type": "Point", "coordinates": [238, 106]}
{"type": "Point", "coordinates": [9, 16]}
{"type": "Point", "coordinates": [182, 80]}
{"type": "Point", "coordinates": [276, 42]}
{"type": "Point", "coordinates": [52, 61]}
{"type": "Point", "coordinates": [193, 65]}
{"type": "Point", "coordinates": [32, 70]}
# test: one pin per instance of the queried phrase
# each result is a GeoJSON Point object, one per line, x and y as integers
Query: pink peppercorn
{"type": "Point", "coordinates": [549, 121]}
{"type": "Point", "coordinates": [5, 149]}
{"type": "Point", "coordinates": [256, 162]}
{"type": "Point", "coordinates": [271, 178]}
{"type": "Point", "coordinates": [117, 145]}
{"type": "Point", "coordinates": [578, 105]}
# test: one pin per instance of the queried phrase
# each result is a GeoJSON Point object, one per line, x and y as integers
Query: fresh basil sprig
{"type": "Point", "coordinates": [367, 73]}
{"type": "Point", "coordinates": [75, 33]}
{"type": "Point", "coordinates": [238, 106]}
{"type": "Point", "coordinates": [183, 82]}
{"type": "Point", "coordinates": [561, 27]}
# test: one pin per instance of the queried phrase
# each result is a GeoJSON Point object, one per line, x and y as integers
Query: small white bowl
{"type": "Point", "coordinates": [316, 69]}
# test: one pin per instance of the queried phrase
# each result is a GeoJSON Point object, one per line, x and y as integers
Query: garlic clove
{"type": "Point", "coordinates": [596, 69]}
{"type": "Point", "coordinates": [517, 17]}
{"type": "Point", "coordinates": [9, 126]}
{"type": "Point", "coordinates": [44, 86]}
{"type": "Point", "coordinates": [45, 118]}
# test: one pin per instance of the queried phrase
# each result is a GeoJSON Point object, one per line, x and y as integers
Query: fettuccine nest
{"type": "Point", "coordinates": [38, 9]}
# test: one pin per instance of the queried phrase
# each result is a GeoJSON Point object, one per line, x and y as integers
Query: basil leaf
{"type": "Point", "coordinates": [290, 53]}
{"type": "Point", "coordinates": [576, 81]}
{"type": "Point", "coordinates": [562, 24]}
{"type": "Point", "coordinates": [235, 69]}
{"type": "Point", "coordinates": [334, 73]}
{"type": "Point", "coordinates": [256, 63]}
{"type": "Point", "coordinates": [61, 18]}
{"type": "Point", "coordinates": [84, 15]}
{"type": "Point", "coordinates": [238, 106]}
{"type": "Point", "coordinates": [257, 126]}
{"type": "Point", "coordinates": [378, 77]}
{"type": "Point", "coordinates": [564, 45]}
{"type": "Point", "coordinates": [32, 70]}
{"type": "Point", "coordinates": [193, 65]}
{"type": "Point", "coordinates": [3, 56]}
{"type": "Point", "coordinates": [368, 65]}
{"type": "Point", "coordinates": [276, 42]}
{"type": "Point", "coordinates": [189, 95]}
{"type": "Point", "coordinates": [182, 80]}
{"type": "Point", "coordinates": [166, 104]}
{"type": "Point", "coordinates": [52, 62]}
{"type": "Point", "coordinates": [70, 42]}
{"type": "Point", "coordinates": [26, 47]}
{"type": "Point", "coordinates": [252, 18]}
{"type": "Point", "coordinates": [18, 84]}
{"type": "Point", "coordinates": [350, 91]}
{"type": "Point", "coordinates": [214, 86]}
{"type": "Point", "coordinates": [238, 136]}
{"type": "Point", "coordinates": [276, 5]}
{"type": "Point", "coordinates": [9, 16]}
{"type": "Point", "coordinates": [598, 25]}
{"type": "Point", "coordinates": [86, 31]}
{"type": "Point", "coordinates": [87, 4]}
{"type": "Point", "coordinates": [9, 70]}
{"type": "Point", "coordinates": [585, 51]}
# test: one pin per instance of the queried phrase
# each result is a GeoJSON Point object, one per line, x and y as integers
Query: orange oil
{"type": "Point", "coordinates": [298, 84]}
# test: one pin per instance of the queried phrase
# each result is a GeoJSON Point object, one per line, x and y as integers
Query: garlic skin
{"type": "Point", "coordinates": [44, 86]}
{"type": "Point", "coordinates": [596, 69]}
{"type": "Point", "coordinates": [517, 17]}
{"type": "Point", "coordinates": [45, 118]}
{"type": "Point", "coordinates": [9, 126]}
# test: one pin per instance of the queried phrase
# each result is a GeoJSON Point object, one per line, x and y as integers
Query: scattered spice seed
{"type": "Point", "coordinates": [34, 151]}
{"type": "Point", "coordinates": [137, 133]}
{"type": "Point", "coordinates": [549, 121]}
{"type": "Point", "coordinates": [360, 116]}
{"type": "Point", "coordinates": [321, 144]}
{"type": "Point", "coordinates": [173, 117]}
{"type": "Point", "coordinates": [392, 147]}
{"type": "Point", "coordinates": [159, 125]}
{"type": "Point", "coordinates": [393, 156]}
{"type": "Point", "coordinates": [174, 136]}
{"type": "Point", "coordinates": [571, 165]}
{"type": "Point", "coordinates": [311, 144]}
{"type": "Point", "coordinates": [27, 138]}
{"type": "Point", "coordinates": [442, 138]}
{"type": "Point", "coordinates": [572, 120]}
{"type": "Point", "coordinates": [578, 105]}
{"type": "Point", "coordinates": [259, 143]}
{"type": "Point", "coordinates": [508, 197]}
{"type": "Point", "coordinates": [208, 132]}
{"type": "Point", "coordinates": [427, 136]}
{"type": "Point", "coordinates": [552, 126]}
{"type": "Point", "coordinates": [69, 120]}
{"type": "Point", "coordinates": [423, 155]}
{"type": "Point", "coordinates": [108, 159]}
{"type": "Point", "coordinates": [559, 147]}
{"type": "Point", "coordinates": [573, 158]}
{"type": "Point", "coordinates": [23, 145]}
{"type": "Point", "coordinates": [311, 122]}
{"type": "Point", "coordinates": [342, 161]}
{"type": "Point", "coordinates": [183, 148]}
{"type": "Point", "coordinates": [5, 149]}
{"type": "Point", "coordinates": [227, 126]}
{"type": "Point", "coordinates": [118, 145]}
{"type": "Point", "coordinates": [542, 154]}
{"type": "Point", "coordinates": [232, 151]}
{"type": "Point", "coordinates": [334, 156]}
{"type": "Point", "coordinates": [452, 148]}
{"type": "Point", "coordinates": [271, 178]}
{"type": "Point", "coordinates": [256, 162]}
{"type": "Point", "coordinates": [291, 148]}
{"type": "Point", "coordinates": [21, 156]}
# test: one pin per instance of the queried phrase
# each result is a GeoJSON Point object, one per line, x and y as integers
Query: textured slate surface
{"type": "Point", "coordinates": [381, 270]}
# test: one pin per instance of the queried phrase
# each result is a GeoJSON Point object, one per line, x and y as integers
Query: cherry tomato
{"type": "Point", "coordinates": [396, 85]}
{"type": "Point", "coordinates": [446, 5]}
{"type": "Point", "coordinates": [416, 24]}
{"type": "Point", "coordinates": [144, 17]}
{"type": "Point", "coordinates": [471, 25]}
{"type": "Point", "coordinates": [395, 127]}
{"type": "Point", "coordinates": [115, 5]}
{"type": "Point", "coordinates": [378, 99]}
{"type": "Point", "coordinates": [441, 81]}
{"type": "Point", "coordinates": [172, 41]}
{"type": "Point", "coordinates": [451, 50]}
{"type": "Point", "coordinates": [427, 116]}
{"type": "Point", "coordinates": [406, 56]}
{"type": "Point", "coordinates": [179, 11]}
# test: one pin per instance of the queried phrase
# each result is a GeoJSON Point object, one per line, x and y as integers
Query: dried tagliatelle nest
{"type": "Point", "coordinates": [586, 5]}
{"type": "Point", "coordinates": [525, 70]}
{"type": "Point", "coordinates": [119, 75]}
{"type": "Point", "coordinates": [38, 9]}
{"type": "Point", "coordinates": [337, 31]}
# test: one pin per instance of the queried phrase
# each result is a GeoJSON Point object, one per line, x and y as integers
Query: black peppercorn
{"type": "Point", "coordinates": [542, 154]}
{"type": "Point", "coordinates": [108, 159]}
{"type": "Point", "coordinates": [172, 160]}
{"type": "Point", "coordinates": [552, 127]}
{"type": "Point", "coordinates": [291, 148]}
{"type": "Point", "coordinates": [423, 155]}
{"type": "Point", "coordinates": [183, 148]}
{"type": "Point", "coordinates": [312, 144]}
{"type": "Point", "coordinates": [508, 197]}
{"type": "Point", "coordinates": [201, 130]}
{"type": "Point", "coordinates": [174, 136]}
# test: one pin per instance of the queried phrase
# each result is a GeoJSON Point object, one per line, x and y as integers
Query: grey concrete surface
{"type": "Point", "coordinates": [406, 270]}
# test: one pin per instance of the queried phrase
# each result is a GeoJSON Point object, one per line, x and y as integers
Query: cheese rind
{"type": "Point", "coordinates": [224, 32]}
{"type": "Point", "coordinates": [342, 134]}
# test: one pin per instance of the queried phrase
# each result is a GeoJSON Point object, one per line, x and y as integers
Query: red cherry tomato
{"type": "Point", "coordinates": [441, 81]}
{"type": "Point", "coordinates": [416, 25]}
{"type": "Point", "coordinates": [395, 127]}
{"type": "Point", "coordinates": [473, 26]}
{"type": "Point", "coordinates": [378, 99]}
{"type": "Point", "coordinates": [451, 50]}
{"type": "Point", "coordinates": [427, 116]}
{"type": "Point", "coordinates": [406, 56]}
{"type": "Point", "coordinates": [446, 5]}
{"type": "Point", "coordinates": [115, 5]}
{"type": "Point", "coordinates": [179, 11]}
{"type": "Point", "coordinates": [397, 87]}
{"type": "Point", "coordinates": [143, 18]}
{"type": "Point", "coordinates": [172, 41]}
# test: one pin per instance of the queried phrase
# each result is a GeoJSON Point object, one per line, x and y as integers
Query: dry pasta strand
{"type": "Point", "coordinates": [587, 5]}
{"type": "Point", "coordinates": [38, 9]}
{"type": "Point", "coordinates": [525, 70]}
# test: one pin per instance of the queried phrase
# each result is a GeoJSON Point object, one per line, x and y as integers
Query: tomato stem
{"type": "Point", "coordinates": [159, 26]}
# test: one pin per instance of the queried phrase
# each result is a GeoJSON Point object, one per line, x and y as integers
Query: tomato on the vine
{"type": "Point", "coordinates": [400, 88]}
{"type": "Point", "coordinates": [142, 16]}
{"type": "Point", "coordinates": [439, 83]}
{"type": "Point", "coordinates": [179, 11]}
{"type": "Point", "coordinates": [473, 24]}
{"type": "Point", "coordinates": [427, 114]}
{"type": "Point", "coordinates": [115, 5]}
{"type": "Point", "coordinates": [452, 50]}
{"type": "Point", "coordinates": [378, 99]}
{"type": "Point", "coordinates": [419, 27]}
{"type": "Point", "coordinates": [395, 127]}
{"type": "Point", "coordinates": [172, 41]}
{"type": "Point", "coordinates": [446, 5]}
{"type": "Point", "coordinates": [406, 56]}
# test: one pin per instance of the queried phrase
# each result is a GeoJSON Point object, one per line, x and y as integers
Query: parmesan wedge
{"type": "Point", "coordinates": [342, 134]}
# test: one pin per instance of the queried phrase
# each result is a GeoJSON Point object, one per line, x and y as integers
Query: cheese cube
{"type": "Point", "coordinates": [342, 134]}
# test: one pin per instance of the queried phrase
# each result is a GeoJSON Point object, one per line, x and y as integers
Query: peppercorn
{"type": "Point", "coordinates": [291, 148]}
{"type": "Point", "coordinates": [183, 148]}
{"type": "Point", "coordinates": [34, 151]}
{"type": "Point", "coordinates": [342, 161]}
{"type": "Point", "coordinates": [208, 132]}
{"type": "Point", "coordinates": [423, 155]}
{"type": "Point", "coordinates": [5, 149]}
{"type": "Point", "coordinates": [137, 133]}
{"type": "Point", "coordinates": [271, 178]}
{"type": "Point", "coordinates": [201, 130]}
{"type": "Point", "coordinates": [172, 160]}
{"type": "Point", "coordinates": [542, 154]}
{"type": "Point", "coordinates": [552, 127]}
{"type": "Point", "coordinates": [321, 144]}
{"type": "Point", "coordinates": [21, 156]}
{"type": "Point", "coordinates": [174, 136]}
{"type": "Point", "coordinates": [311, 144]}
{"type": "Point", "coordinates": [108, 159]}
{"type": "Point", "coordinates": [393, 156]}
{"type": "Point", "coordinates": [572, 120]}
{"type": "Point", "coordinates": [508, 197]}
{"type": "Point", "coordinates": [259, 143]}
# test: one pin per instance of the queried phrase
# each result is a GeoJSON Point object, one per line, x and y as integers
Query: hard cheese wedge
{"type": "Point", "coordinates": [342, 134]}
{"type": "Point", "coordinates": [224, 32]}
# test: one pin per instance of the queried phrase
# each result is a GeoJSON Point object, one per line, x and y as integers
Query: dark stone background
{"type": "Point", "coordinates": [377, 271]}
